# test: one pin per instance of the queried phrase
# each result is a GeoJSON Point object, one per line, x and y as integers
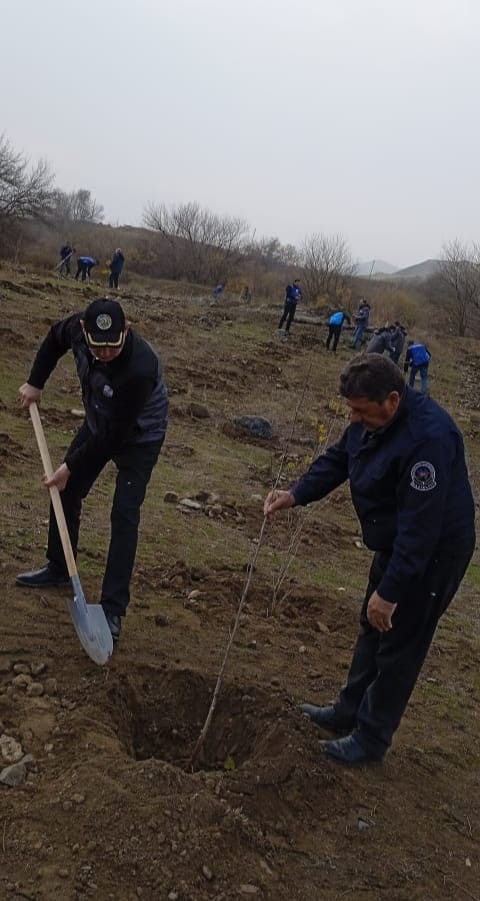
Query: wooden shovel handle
{"type": "Point", "coordinates": [54, 492]}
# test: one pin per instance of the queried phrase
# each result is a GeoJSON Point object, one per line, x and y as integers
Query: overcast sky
{"type": "Point", "coordinates": [351, 116]}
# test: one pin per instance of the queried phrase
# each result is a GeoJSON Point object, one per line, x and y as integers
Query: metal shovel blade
{"type": "Point", "coordinates": [90, 625]}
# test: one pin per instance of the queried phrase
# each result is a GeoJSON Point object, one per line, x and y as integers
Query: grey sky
{"type": "Point", "coordinates": [358, 116]}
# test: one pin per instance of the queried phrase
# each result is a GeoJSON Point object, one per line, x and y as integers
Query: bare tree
{"type": "Point", "coordinates": [460, 276]}
{"type": "Point", "coordinates": [76, 206]}
{"type": "Point", "coordinates": [25, 192]}
{"type": "Point", "coordinates": [203, 246]}
{"type": "Point", "coordinates": [327, 265]}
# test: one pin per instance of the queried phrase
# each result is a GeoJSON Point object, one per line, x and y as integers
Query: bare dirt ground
{"type": "Point", "coordinates": [109, 807]}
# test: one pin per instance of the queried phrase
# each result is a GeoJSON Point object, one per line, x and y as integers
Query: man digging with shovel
{"type": "Point", "coordinates": [126, 408]}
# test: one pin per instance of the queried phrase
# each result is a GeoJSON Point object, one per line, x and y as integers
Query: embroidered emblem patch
{"type": "Point", "coordinates": [422, 476]}
{"type": "Point", "coordinates": [108, 392]}
{"type": "Point", "coordinates": [104, 321]}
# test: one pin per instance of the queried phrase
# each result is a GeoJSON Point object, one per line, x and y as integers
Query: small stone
{"type": "Point", "coordinates": [302, 649]}
{"type": "Point", "coordinates": [207, 873]}
{"type": "Point", "coordinates": [38, 668]}
{"type": "Point", "coordinates": [248, 889]}
{"type": "Point", "coordinates": [362, 824]}
{"type": "Point", "coordinates": [468, 862]}
{"type": "Point", "coordinates": [51, 686]}
{"type": "Point", "coordinates": [35, 689]}
{"type": "Point", "coordinates": [275, 680]}
{"type": "Point", "coordinates": [5, 666]}
{"type": "Point", "coordinates": [252, 645]}
{"type": "Point", "coordinates": [75, 848]}
{"type": "Point", "coordinates": [321, 627]}
{"type": "Point", "coordinates": [63, 872]}
{"type": "Point", "coordinates": [10, 750]}
{"type": "Point", "coordinates": [198, 411]}
{"type": "Point", "coordinates": [161, 620]}
{"type": "Point", "coordinates": [173, 896]}
{"type": "Point", "coordinates": [170, 497]}
{"type": "Point", "coordinates": [13, 775]}
{"type": "Point", "coordinates": [78, 799]}
{"type": "Point", "coordinates": [358, 543]}
{"type": "Point", "coordinates": [214, 510]}
{"type": "Point", "coordinates": [20, 682]}
{"type": "Point", "coordinates": [193, 595]}
{"type": "Point", "coordinates": [79, 414]}
{"type": "Point", "coordinates": [19, 668]}
{"type": "Point", "coordinates": [258, 426]}
{"type": "Point", "coordinates": [188, 504]}
{"type": "Point", "coordinates": [49, 747]}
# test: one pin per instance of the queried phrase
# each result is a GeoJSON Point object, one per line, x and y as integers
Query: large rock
{"type": "Point", "coordinates": [258, 426]}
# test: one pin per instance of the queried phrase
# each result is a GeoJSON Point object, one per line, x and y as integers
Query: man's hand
{"type": "Point", "coordinates": [278, 500]}
{"type": "Point", "coordinates": [59, 478]}
{"type": "Point", "coordinates": [380, 612]}
{"type": "Point", "coordinates": [29, 395]}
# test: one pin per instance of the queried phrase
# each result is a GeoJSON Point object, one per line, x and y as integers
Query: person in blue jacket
{"type": "Point", "coordinates": [116, 267]}
{"type": "Point", "coordinates": [293, 294]}
{"type": "Point", "coordinates": [84, 267]}
{"type": "Point", "coordinates": [335, 324]}
{"type": "Point", "coordinates": [404, 458]}
{"type": "Point", "coordinates": [417, 358]}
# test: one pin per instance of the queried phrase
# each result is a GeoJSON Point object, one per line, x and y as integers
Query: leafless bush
{"type": "Point", "coordinates": [460, 277]}
{"type": "Point", "coordinates": [202, 246]}
{"type": "Point", "coordinates": [25, 191]}
{"type": "Point", "coordinates": [327, 266]}
{"type": "Point", "coordinates": [76, 206]}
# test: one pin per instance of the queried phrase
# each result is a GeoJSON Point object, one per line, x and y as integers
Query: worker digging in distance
{"type": "Point", "coordinates": [126, 409]}
{"type": "Point", "coordinates": [405, 460]}
{"type": "Point", "coordinates": [293, 294]}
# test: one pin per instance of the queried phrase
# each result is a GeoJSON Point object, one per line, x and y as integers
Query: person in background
{"type": "Point", "coordinates": [66, 253]}
{"type": "Point", "coordinates": [335, 324]}
{"type": "Point", "coordinates": [218, 290]}
{"type": "Point", "coordinates": [361, 324]}
{"type": "Point", "coordinates": [404, 459]}
{"type": "Point", "coordinates": [417, 358]}
{"type": "Point", "coordinates": [381, 340]}
{"type": "Point", "coordinates": [397, 336]}
{"type": "Point", "coordinates": [116, 267]}
{"type": "Point", "coordinates": [84, 267]}
{"type": "Point", "coordinates": [126, 407]}
{"type": "Point", "coordinates": [293, 294]}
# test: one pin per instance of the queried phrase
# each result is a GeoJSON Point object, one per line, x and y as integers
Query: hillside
{"type": "Point", "coordinates": [375, 267]}
{"type": "Point", "coordinates": [420, 270]}
{"type": "Point", "coordinates": [110, 807]}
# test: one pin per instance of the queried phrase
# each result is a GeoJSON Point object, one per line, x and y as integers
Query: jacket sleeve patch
{"type": "Point", "coordinates": [422, 476]}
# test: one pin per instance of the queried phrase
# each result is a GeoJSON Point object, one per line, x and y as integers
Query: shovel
{"type": "Point", "coordinates": [89, 619]}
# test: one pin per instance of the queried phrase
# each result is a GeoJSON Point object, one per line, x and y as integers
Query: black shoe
{"type": "Point", "coordinates": [348, 750]}
{"type": "Point", "coordinates": [327, 718]}
{"type": "Point", "coordinates": [114, 624]}
{"type": "Point", "coordinates": [46, 577]}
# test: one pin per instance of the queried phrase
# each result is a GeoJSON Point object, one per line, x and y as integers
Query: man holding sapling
{"type": "Point", "coordinates": [404, 457]}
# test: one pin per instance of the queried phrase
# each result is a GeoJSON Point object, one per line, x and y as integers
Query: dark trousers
{"type": "Point", "coordinates": [113, 280]}
{"type": "Point", "coordinates": [385, 665]}
{"type": "Point", "coordinates": [65, 267]}
{"type": "Point", "coordinates": [134, 468]}
{"type": "Point", "coordinates": [333, 332]}
{"type": "Point", "coordinates": [83, 269]}
{"type": "Point", "coordinates": [288, 315]}
{"type": "Point", "coordinates": [395, 356]}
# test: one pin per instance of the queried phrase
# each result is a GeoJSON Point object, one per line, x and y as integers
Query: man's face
{"type": "Point", "coordinates": [371, 414]}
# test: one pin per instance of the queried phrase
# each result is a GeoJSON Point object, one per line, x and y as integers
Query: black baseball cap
{"type": "Point", "coordinates": [104, 322]}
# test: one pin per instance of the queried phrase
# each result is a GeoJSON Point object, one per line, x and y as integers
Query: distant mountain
{"type": "Point", "coordinates": [375, 267]}
{"type": "Point", "coordinates": [419, 270]}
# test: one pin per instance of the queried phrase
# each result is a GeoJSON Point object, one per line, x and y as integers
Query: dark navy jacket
{"type": "Point", "coordinates": [125, 401]}
{"type": "Point", "coordinates": [118, 260]}
{"type": "Point", "coordinates": [409, 486]}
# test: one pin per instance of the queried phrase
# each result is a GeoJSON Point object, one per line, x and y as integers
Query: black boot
{"type": "Point", "coordinates": [114, 624]}
{"type": "Point", "coordinates": [327, 718]}
{"type": "Point", "coordinates": [46, 577]}
{"type": "Point", "coordinates": [349, 751]}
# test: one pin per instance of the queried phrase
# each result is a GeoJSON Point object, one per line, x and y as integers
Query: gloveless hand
{"type": "Point", "coordinates": [59, 478]}
{"type": "Point", "coordinates": [380, 612]}
{"type": "Point", "coordinates": [277, 500]}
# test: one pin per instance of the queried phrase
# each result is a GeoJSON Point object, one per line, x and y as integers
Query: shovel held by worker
{"type": "Point", "coordinates": [89, 619]}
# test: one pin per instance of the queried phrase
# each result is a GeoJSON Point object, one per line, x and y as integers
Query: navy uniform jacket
{"type": "Point", "coordinates": [125, 400]}
{"type": "Point", "coordinates": [409, 486]}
